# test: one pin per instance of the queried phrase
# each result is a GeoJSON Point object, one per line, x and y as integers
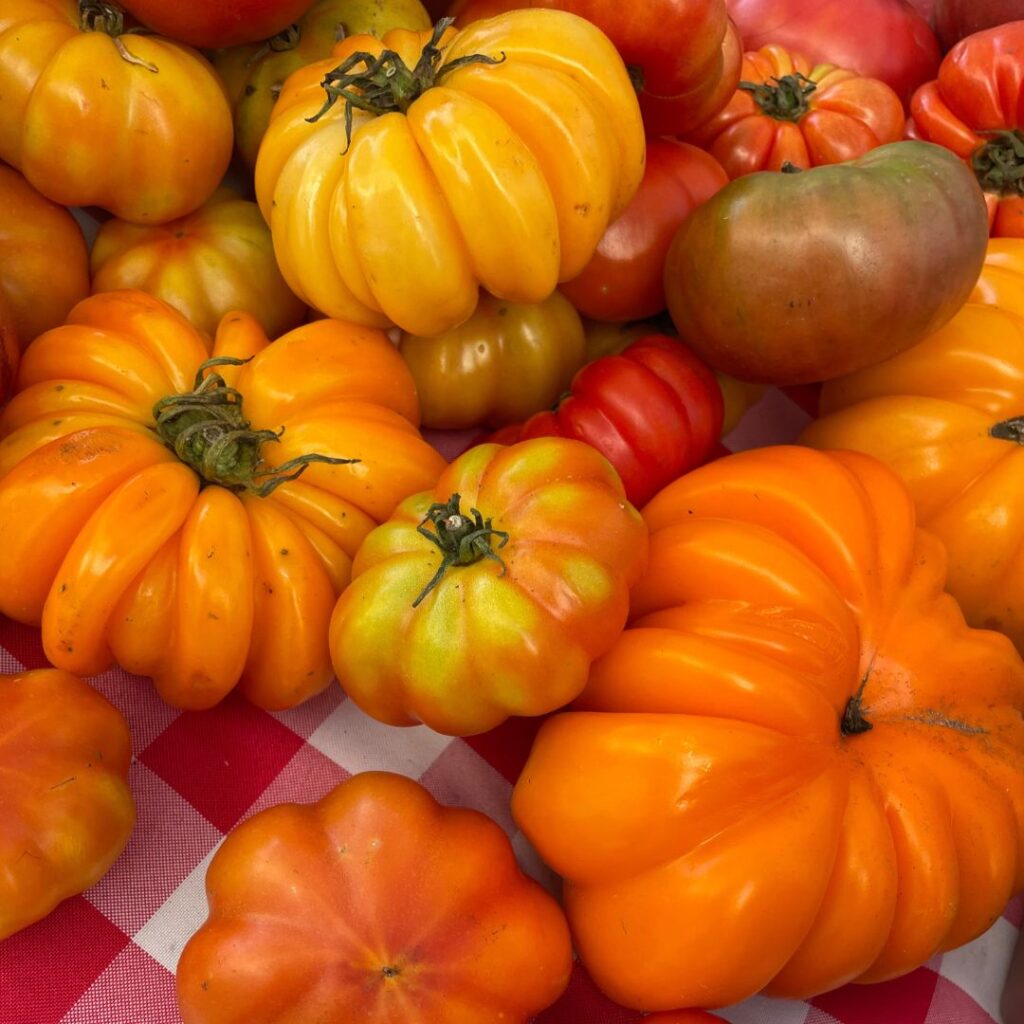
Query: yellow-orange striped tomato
{"type": "Point", "coordinates": [492, 157]}
{"type": "Point", "coordinates": [492, 593]}
{"type": "Point", "coordinates": [506, 362]}
{"type": "Point", "coordinates": [217, 260]}
{"type": "Point", "coordinates": [149, 508]}
{"type": "Point", "coordinates": [94, 116]}
{"type": "Point", "coordinates": [797, 767]}
{"type": "Point", "coordinates": [67, 809]}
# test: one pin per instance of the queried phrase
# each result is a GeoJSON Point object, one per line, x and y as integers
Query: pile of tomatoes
{"type": "Point", "coordinates": [785, 748]}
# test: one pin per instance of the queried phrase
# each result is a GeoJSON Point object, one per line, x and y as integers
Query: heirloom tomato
{"type": "Point", "coordinates": [491, 594]}
{"type": "Point", "coordinates": [884, 39]}
{"type": "Point", "coordinates": [624, 279]}
{"type": "Point", "coordinates": [255, 74]}
{"type": "Point", "coordinates": [654, 412]}
{"type": "Point", "coordinates": [503, 364]}
{"type": "Point", "coordinates": [792, 278]}
{"type": "Point", "coordinates": [374, 905]}
{"type": "Point", "coordinates": [9, 349]}
{"type": "Point", "coordinates": [947, 416]}
{"type": "Point", "coordinates": [212, 23]}
{"type": "Point", "coordinates": [96, 116]}
{"type": "Point", "coordinates": [44, 262]}
{"type": "Point", "coordinates": [683, 55]}
{"type": "Point", "coordinates": [797, 767]}
{"type": "Point", "coordinates": [491, 157]}
{"type": "Point", "coordinates": [67, 808]}
{"type": "Point", "coordinates": [787, 111]}
{"type": "Point", "coordinates": [217, 260]}
{"type": "Point", "coordinates": [150, 511]}
{"type": "Point", "coordinates": [975, 107]}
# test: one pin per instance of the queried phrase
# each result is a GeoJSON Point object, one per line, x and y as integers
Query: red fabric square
{"type": "Point", "coordinates": [307, 777]}
{"type": "Point", "coordinates": [133, 990]}
{"type": "Point", "coordinates": [45, 968]}
{"type": "Point", "coordinates": [952, 1005]}
{"type": "Point", "coordinates": [583, 1004]}
{"type": "Point", "coordinates": [1014, 913]}
{"type": "Point", "coordinates": [222, 759]}
{"type": "Point", "coordinates": [507, 747]}
{"type": "Point", "coordinates": [23, 643]}
{"type": "Point", "coordinates": [905, 1000]}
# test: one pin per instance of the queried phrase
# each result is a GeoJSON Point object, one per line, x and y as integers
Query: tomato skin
{"type": "Point", "coordinates": [530, 617]}
{"type": "Point", "coordinates": [254, 74]}
{"type": "Point", "coordinates": [624, 279]}
{"type": "Point", "coordinates": [545, 148]}
{"type": "Point", "coordinates": [217, 260]}
{"type": "Point", "coordinates": [655, 412]}
{"type": "Point", "coordinates": [929, 414]}
{"type": "Point", "coordinates": [843, 117]}
{"type": "Point", "coordinates": [126, 559]}
{"type": "Point", "coordinates": [978, 89]}
{"type": "Point", "coordinates": [884, 39]}
{"type": "Point", "coordinates": [955, 19]}
{"type": "Point", "coordinates": [699, 743]}
{"type": "Point", "coordinates": [777, 280]}
{"type": "Point", "coordinates": [472, 939]}
{"type": "Point", "coordinates": [44, 262]}
{"type": "Point", "coordinates": [206, 25]}
{"type": "Point", "coordinates": [68, 812]}
{"type": "Point", "coordinates": [503, 364]}
{"type": "Point", "coordinates": [74, 109]}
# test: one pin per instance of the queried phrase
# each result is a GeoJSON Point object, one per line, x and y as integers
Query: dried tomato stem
{"type": "Point", "coordinates": [1009, 430]}
{"type": "Point", "coordinates": [462, 539]}
{"type": "Point", "coordinates": [208, 431]}
{"type": "Point", "coordinates": [783, 98]}
{"type": "Point", "coordinates": [999, 164]}
{"type": "Point", "coordinates": [100, 16]}
{"type": "Point", "coordinates": [285, 40]}
{"type": "Point", "coordinates": [385, 83]}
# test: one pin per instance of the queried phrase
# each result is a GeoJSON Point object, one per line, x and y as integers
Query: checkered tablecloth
{"type": "Point", "coordinates": [108, 956]}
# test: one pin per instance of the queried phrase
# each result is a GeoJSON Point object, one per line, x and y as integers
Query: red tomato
{"type": "Point", "coordinates": [955, 19]}
{"type": "Point", "coordinates": [214, 23]}
{"type": "Point", "coordinates": [884, 39]}
{"type": "Point", "coordinates": [625, 279]}
{"type": "Point", "coordinates": [655, 412]}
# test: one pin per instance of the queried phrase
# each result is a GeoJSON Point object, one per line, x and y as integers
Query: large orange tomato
{"type": "Point", "coordinates": [376, 905]}
{"type": "Point", "coordinates": [149, 508]}
{"type": "Point", "coordinates": [789, 111]}
{"type": "Point", "coordinates": [507, 361]}
{"type": "Point", "coordinates": [492, 593]}
{"type": "Point", "coordinates": [67, 809]}
{"type": "Point", "coordinates": [947, 416]}
{"type": "Point", "coordinates": [215, 261]}
{"type": "Point", "coordinates": [492, 157]}
{"type": "Point", "coordinates": [797, 767]}
{"type": "Point", "coordinates": [95, 116]}
{"type": "Point", "coordinates": [44, 262]}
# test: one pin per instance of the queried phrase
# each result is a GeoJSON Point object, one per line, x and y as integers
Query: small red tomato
{"type": "Point", "coordinates": [208, 24]}
{"type": "Point", "coordinates": [625, 278]}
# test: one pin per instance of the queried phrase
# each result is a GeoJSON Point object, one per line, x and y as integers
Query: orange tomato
{"type": "Point", "coordinates": [946, 415]}
{"type": "Point", "coordinates": [150, 511]}
{"type": "Point", "coordinates": [44, 262]}
{"type": "Point", "coordinates": [67, 808]}
{"type": "Point", "coordinates": [797, 767]}
{"type": "Point", "coordinates": [95, 116]}
{"type": "Point", "coordinates": [789, 111]}
{"type": "Point", "coordinates": [471, 940]}
{"type": "Point", "coordinates": [217, 260]}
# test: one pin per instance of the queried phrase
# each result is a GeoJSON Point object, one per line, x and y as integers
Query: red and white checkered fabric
{"type": "Point", "coordinates": [108, 956]}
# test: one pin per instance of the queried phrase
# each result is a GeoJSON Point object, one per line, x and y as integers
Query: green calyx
{"type": "Point", "coordinates": [385, 83]}
{"type": "Point", "coordinates": [785, 98]}
{"type": "Point", "coordinates": [208, 431]}
{"type": "Point", "coordinates": [999, 163]}
{"type": "Point", "coordinates": [100, 16]}
{"type": "Point", "coordinates": [462, 539]}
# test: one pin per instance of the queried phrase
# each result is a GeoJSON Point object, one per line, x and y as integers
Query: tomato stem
{"type": "Point", "coordinates": [385, 83]}
{"type": "Point", "coordinates": [783, 98]}
{"type": "Point", "coordinates": [1009, 430]}
{"type": "Point", "coordinates": [285, 40]}
{"type": "Point", "coordinates": [207, 430]}
{"type": "Point", "coordinates": [100, 16]}
{"type": "Point", "coordinates": [999, 164]}
{"type": "Point", "coordinates": [854, 717]}
{"type": "Point", "coordinates": [462, 540]}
